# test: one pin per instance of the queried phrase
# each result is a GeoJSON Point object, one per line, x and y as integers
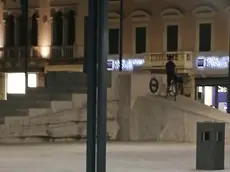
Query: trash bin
{"type": "Point", "coordinates": [210, 146]}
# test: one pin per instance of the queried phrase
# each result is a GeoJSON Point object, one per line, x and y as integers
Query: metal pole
{"type": "Point", "coordinates": [228, 95]}
{"type": "Point", "coordinates": [91, 55]}
{"type": "Point", "coordinates": [102, 84]}
{"type": "Point", "coordinates": [25, 19]}
{"type": "Point", "coordinates": [228, 99]}
{"type": "Point", "coordinates": [121, 35]}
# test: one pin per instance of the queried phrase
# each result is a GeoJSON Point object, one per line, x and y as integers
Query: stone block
{"type": "Point", "coordinates": [39, 111]}
{"type": "Point", "coordinates": [11, 140]}
{"type": "Point", "coordinates": [35, 131]}
{"type": "Point", "coordinates": [112, 109]}
{"type": "Point", "coordinates": [10, 131]}
{"type": "Point", "coordinates": [69, 129]}
{"type": "Point", "coordinates": [34, 140]}
{"type": "Point", "coordinates": [112, 129]}
{"type": "Point", "coordinates": [54, 118]}
{"type": "Point", "coordinates": [64, 116]}
{"type": "Point", "coordinates": [64, 139]}
{"type": "Point", "coordinates": [61, 105]}
{"type": "Point", "coordinates": [79, 100]}
{"type": "Point", "coordinates": [15, 120]}
{"type": "Point", "coordinates": [83, 129]}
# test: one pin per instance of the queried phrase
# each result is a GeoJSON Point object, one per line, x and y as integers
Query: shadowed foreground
{"type": "Point", "coordinates": [122, 157]}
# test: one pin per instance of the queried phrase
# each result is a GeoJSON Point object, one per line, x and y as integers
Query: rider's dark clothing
{"type": "Point", "coordinates": [170, 68]}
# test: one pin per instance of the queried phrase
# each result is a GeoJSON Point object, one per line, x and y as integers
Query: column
{"type": "Point", "coordinates": [82, 11]}
{"type": "Point", "coordinates": [2, 86]}
{"type": "Point", "coordinates": [30, 28]}
{"type": "Point", "coordinates": [40, 79]}
{"type": "Point", "coordinates": [44, 28]}
{"type": "Point", "coordinates": [2, 25]}
{"type": "Point", "coordinates": [16, 30]}
{"type": "Point", "coordinates": [193, 85]}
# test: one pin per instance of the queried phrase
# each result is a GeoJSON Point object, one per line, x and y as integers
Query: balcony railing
{"type": "Point", "coordinates": [14, 57]}
{"type": "Point", "coordinates": [183, 60]}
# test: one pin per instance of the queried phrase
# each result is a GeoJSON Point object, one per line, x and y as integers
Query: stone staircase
{"type": "Point", "coordinates": [49, 114]}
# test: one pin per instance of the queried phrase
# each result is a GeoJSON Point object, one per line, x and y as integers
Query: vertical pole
{"type": "Point", "coordinates": [216, 97]}
{"type": "Point", "coordinates": [25, 22]}
{"type": "Point", "coordinates": [228, 99]}
{"type": "Point", "coordinates": [102, 84]}
{"type": "Point", "coordinates": [91, 63]}
{"type": "Point", "coordinates": [121, 35]}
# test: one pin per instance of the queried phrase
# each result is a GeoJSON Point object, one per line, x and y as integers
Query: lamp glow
{"type": "Point", "coordinates": [45, 51]}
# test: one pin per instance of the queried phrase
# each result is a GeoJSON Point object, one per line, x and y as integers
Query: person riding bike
{"type": "Point", "coordinates": [170, 68]}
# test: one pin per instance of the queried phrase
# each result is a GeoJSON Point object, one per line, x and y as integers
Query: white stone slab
{"type": "Point", "coordinates": [79, 100]}
{"type": "Point", "coordinates": [35, 131]}
{"type": "Point", "coordinates": [15, 120]}
{"type": "Point", "coordinates": [112, 129]}
{"type": "Point", "coordinates": [69, 129]}
{"type": "Point", "coordinates": [39, 111]}
{"type": "Point", "coordinates": [61, 105]}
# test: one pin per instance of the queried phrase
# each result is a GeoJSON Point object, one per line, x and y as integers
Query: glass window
{"type": "Point", "coordinates": [140, 37]}
{"type": "Point", "coordinates": [205, 34]}
{"type": "Point", "coordinates": [114, 41]}
{"type": "Point", "coordinates": [172, 37]}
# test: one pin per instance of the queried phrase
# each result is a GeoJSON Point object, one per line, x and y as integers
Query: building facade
{"type": "Point", "coordinates": [197, 29]}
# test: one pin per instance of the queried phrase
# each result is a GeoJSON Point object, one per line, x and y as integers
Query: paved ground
{"type": "Point", "coordinates": [146, 157]}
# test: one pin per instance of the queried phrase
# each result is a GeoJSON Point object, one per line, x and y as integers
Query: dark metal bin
{"type": "Point", "coordinates": [210, 146]}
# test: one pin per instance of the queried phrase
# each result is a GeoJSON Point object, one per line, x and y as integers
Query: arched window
{"type": "Point", "coordinates": [34, 30]}
{"type": "Point", "coordinates": [21, 35]}
{"type": "Point", "coordinates": [71, 27]}
{"type": "Point", "coordinates": [171, 13]}
{"type": "Point", "coordinates": [140, 20]}
{"type": "Point", "coordinates": [203, 11]}
{"type": "Point", "coordinates": [58, 28]}
{"type": "Point", "coordinates": [10, 34]}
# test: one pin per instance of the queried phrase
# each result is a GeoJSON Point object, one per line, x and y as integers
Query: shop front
{"type": "Point", "coordinates": [214, 96]}
{"type": "Point", "coordinates": [211, 80]}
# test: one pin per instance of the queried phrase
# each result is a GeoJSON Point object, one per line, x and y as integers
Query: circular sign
{"type": "Point", "coordinates": [153, 85]}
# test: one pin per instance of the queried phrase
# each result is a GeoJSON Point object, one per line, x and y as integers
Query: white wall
{"type": "Point", "coordinates": [208, 95]}
{"type": "Point", "coordinates": [16, 82]}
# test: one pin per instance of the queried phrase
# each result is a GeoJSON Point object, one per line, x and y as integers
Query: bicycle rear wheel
{"type": "Point", "coordinates": [173, 91]}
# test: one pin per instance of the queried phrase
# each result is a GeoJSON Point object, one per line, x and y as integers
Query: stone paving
{"type": "Point", "coordinates": [122, 157]}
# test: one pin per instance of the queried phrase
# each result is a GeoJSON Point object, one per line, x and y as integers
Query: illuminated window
{"type": "Point", "coordinates": [16, 82]}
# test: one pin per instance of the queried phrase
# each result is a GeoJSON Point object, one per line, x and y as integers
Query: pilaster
{"type": "Point", "coordinates": [2, 25]}
{"type": "Point", "coordinates": [81, 12]}
{"type": "Point", "coordinates": [44, 28]}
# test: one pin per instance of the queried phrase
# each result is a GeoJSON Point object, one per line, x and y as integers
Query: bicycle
{"type": "Point", "coordinates": [174, 88]}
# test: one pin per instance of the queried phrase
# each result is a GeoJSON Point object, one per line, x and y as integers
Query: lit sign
{"type": "Point", "coordinates": [127, 64]}
{"type": "Point", "coordinates": [222, 89]}
{"type": "Point", "coordinates": [110, 64]}
{"type": "Point", "coordinates": [225, 106]}
{"type": "Point", "coordinates": [212, 62]}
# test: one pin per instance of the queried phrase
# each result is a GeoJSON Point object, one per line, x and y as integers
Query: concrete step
{"type": "Point", "coordinates": [44, 97]}
{"type": "Point", "coordinates": [39, 111]}
{"type": "Point", "coordinates": [15, 120]}
{"type": "Point", "coordinates": [56, 90]}
{"type": "Point", "coordinates": [12, 112]}
{"type": "Point", "coordinates": [6, 104]}
{"type": "Point", "coordinates": [61, 105]}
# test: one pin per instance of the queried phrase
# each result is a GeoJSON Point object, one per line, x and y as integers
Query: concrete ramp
{"type": "Point", "coordinates": [161, 119]}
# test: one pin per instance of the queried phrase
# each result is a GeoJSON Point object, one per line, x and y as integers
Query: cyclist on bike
{"type": "Point", "coordinates": [170, 68]}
